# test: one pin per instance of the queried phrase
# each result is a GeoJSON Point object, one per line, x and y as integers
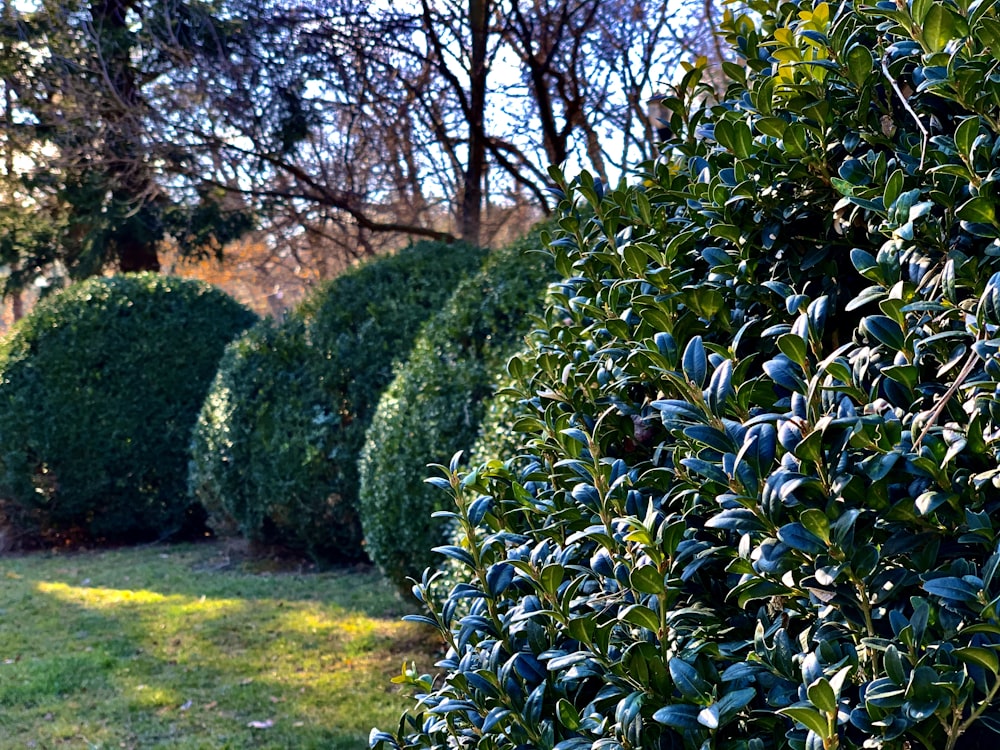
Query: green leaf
{"type": "Point", "coordinates": [724, 134]}
{"type": "Point", "coordinates": [816, 521]}
{"type": "Point", "coordinates": [864, 560]}
{"type": "Point", "coordinates": [965, 135]}
{"type": "Point", "coordinates": [988, 34]}
{"type": "Point", "coordinates": [859, 64]}
{"type": "Point", "coordinates": [550, 577]}
{"type": "Point", "coordinates": [822, 696]}
{"type": "Point", "coordinates": [647, 580]}
{"type": "Point", "coordinates": [742, 140]}
{"type": "Point", "coordinates": [977, 210]}
{"type": "Point", "coordinates": [885, 694]}
{"type": "Point", "coordinates": [732, 703]}
{"type": "Point", "coordinates": [919, 8]}
{"type": "Point", "coordinates": [982, 628]}
{"type": "Point", "coordinates": [567, 714]}
{"type": "Point", "coordinates": [635, 259]}
{"type": "Point", "coordinates": [808, 717]}
{"type": "Point", "coordinates": [952, 588]}
{"type": "Point", "coordinates": [680, 716]}
{"type": "Point", "coordinates": [756, 589]}
{"type": "Point", "coordinates": [906, 375]}
{"type": "Point", "coordinates": [940, 27]}
{"type": "Point", "coordinates": [796, 140]}
{"type": "Point", "coordinates": [982, 657]}
{"type": "Point", "coordinates": [772, 126]}
{"type": "Point", "coordinates": [927, 502]}
{"type": "Point", "coordinates": [690, 684]}
{"type": "Point", "coordinates": [695, 362]}
{"type": "Point", "coordinates": [894, 666]}
{"type": "Point", "coordinates": [885, 330]}
{"type": "Point", "coordinates": [704, 301]}
{"type": "Point", "coordinates": [709, 717]}
{"type": "Point", "coordinates": [729, 232]}
{"type": "Point", "coordinates": [893, 187]}
{"type": "Point", "coordinates": [640, 615]}
{"type": "Point", "coordinates": [810, 448]}
{"type": "Point", "coordinates": [839, 371]}
{"type": "Point", "coordinates": [793, 347]}
{"type": "Point", "coordinates": [797, 537]}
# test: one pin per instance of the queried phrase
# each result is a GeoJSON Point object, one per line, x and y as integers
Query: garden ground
{"type": "Point", "coordinates": [187, 647]}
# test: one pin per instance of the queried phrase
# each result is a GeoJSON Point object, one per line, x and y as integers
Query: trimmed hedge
{"type": "Point", "coordinates": [100, 387]}
{"type": "Point", "coordinates": [435, 404]}
{"type": "Point", "coordinates": [763, 508]}
{"type": "Point", "coordinates": [275, 451]}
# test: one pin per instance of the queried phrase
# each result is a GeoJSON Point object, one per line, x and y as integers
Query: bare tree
{"type": "Point", "coordinates": [341, 125]}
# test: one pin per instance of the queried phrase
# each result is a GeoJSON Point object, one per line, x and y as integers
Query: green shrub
{"type": "Point", "coordinates": [99, 389]}
{"type": "Point", "coordinates": [436, 401]}
{"type": "Point", "coordinates": [275, 450]}
{"type": "Point", "coordinates": [763, 506]}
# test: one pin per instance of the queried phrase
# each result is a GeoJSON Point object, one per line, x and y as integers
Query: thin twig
{"type": "Point", "coordinates": [939, 408]}
{"type": "Point", "coordinates": [908, 108]}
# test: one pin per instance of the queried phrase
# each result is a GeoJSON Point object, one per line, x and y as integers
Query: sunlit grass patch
{"type": "Point", "coordinates": [159, 648]}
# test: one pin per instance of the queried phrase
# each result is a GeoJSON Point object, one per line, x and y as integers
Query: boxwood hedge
{"type": "Point", "coordinates": [765, 421]}
{"type": "Point", "coordinates": [435, 404]}
{"type": "Point", "coordinates": [99, 389]}
{"type": "Point", "coordinates": [274, 454]}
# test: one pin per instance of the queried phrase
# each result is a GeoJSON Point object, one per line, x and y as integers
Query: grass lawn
{"type": "Point", "coordinates": [178, 647]}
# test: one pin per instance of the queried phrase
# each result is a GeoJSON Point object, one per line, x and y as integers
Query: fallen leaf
{"type": "Point", "coordinates": [266, 724]}
{"type": "Point", "coordinates": [187, 705]}
{"type": "Point", "coordinates": [210, 706]}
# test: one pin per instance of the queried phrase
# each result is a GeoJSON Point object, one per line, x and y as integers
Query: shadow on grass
{"type": "Point", "coordinates": [200, 658]}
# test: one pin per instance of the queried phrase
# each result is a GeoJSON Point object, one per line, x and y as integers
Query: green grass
{"type": "Point", "coordinates": [176, 647]}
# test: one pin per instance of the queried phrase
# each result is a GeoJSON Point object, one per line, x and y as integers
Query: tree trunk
{"type": "Point", "coordinates": [17, 299]}
{"type": "Point", "coordinates": [124, 164]}
{"type": "Point", "coordinates": [472, 194]}
{"type": "Point", "coordinates": [136, 256]}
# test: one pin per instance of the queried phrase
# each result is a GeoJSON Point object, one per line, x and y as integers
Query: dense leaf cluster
{"type": "Point", "coordinates": [99, 389]}
{"type": "Point", "coordinates": [275, 450]}
{"type": "Point", "coordinates": [436, 402]}
{"type": "Point", "coordinates": [763, 420]}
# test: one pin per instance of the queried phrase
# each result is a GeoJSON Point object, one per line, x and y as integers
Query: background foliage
{"type": "Point", "coordinates": [275, 449]}
{"type": "Point", "coordinates": [99, 389]}
{"type": "Point", "coordinates": [434, 404]}
{"type": "Point", "coordinates": [763, 416]}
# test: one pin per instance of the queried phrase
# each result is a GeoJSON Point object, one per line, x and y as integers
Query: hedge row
{"type": "Point", "coordinates": [99, 390]}
{"type": "Point", "coordinates": [276, 445]}
{"type": "Point", "coordinates": [274, 452]}
{"type": "Point", "coordinates": [436, 402]}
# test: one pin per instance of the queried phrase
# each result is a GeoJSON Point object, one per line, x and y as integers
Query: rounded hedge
{"type": "Point", "coordinates": [762, 510]}
{"type": "Point", "coordinates": [275, 451]}
{"type": "Point", "coordinates": [436, 402]}
{"type": "Point", "coordinates": [100, 387]}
